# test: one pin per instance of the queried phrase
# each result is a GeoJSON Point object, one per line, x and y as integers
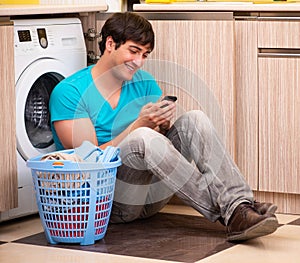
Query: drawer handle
{"type": "Point", "coordinates": [278, 52]}
{"type": "Point", "coordinates": [279, 17]}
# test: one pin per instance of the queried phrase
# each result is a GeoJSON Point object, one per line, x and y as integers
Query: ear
{"type": "Point", "coordinates": [110, 44]}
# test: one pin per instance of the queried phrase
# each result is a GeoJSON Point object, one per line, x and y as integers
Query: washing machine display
{"type": "Point", "coordinates": [24, 35]}
{"type": "Point", "coordinates": [46, 51]}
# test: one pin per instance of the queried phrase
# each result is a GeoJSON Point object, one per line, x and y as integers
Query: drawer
{"type": "Point", "coordinates": [279, 34]}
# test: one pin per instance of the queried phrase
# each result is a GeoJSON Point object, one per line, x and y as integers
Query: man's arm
{"type": "Point", "coordinates": [73, 132]}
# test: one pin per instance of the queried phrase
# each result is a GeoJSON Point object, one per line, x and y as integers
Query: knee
{"type": "Point", "coordinates": [147, 143]}
{"type": "Point", "coordinates": [140, 140]}
{"type": "Point", "coordinates": [143, 149]}
{"type": "Point", "coordinates": [142, 136]}
{"type": "Point", "coordinates": [197, 115]}
{"type": "Point", "coordinates": [143, 133]}
{"type": "Point", "coordinates": [195, 118]}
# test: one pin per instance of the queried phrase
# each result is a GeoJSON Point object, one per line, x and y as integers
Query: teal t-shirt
{"type": "Point", "coordinates": [77, 97]}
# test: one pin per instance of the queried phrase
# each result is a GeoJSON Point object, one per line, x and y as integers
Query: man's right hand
{"type": "Point", "coordinates": [153, 115]}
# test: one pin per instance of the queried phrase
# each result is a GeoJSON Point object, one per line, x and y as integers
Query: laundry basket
{"type": "Point", "coordinates": [74, 198]}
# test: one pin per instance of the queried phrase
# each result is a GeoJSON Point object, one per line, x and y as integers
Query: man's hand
{"type": "Point", "coordinates": [153, 115]}
{"type": "Point", "coordinates": [164, 128]}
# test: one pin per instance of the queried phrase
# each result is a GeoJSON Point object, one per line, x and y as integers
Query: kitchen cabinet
{"type": "Point", "coordinates": [280, 33]}
{"type": "Point", "coordinates": [267, 89]}
{"type": "Point", "coordinates": [246, 86]}
{"type": "Point", "coordinates": [279, 105]}
{"type": "Point", "coordinates": [279, 122]}
{"type": "Point", "coordinates": [8, 159]}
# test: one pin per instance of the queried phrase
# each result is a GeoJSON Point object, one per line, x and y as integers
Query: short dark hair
{"type": "Point", "coordinates": [127, 26]}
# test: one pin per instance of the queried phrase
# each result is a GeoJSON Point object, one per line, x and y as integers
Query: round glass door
{"type": "Point", "coordinates": [37, 117]}
{"type": "Point", "coordinates": [33, 89]}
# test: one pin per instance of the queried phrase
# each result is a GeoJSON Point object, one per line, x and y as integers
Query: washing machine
{"type": "Point", "coordinates": [46, 51]}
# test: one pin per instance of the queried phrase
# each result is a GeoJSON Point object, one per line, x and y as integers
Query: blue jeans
{"type": "Point", "coordinates": [190, 162]}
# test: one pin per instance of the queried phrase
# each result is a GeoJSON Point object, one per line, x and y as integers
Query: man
{"type": "Point", "coordinates": [115, 103]}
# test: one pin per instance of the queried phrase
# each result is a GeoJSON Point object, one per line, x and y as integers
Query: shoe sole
{"type": "Point", "coordinates": [263, 228]}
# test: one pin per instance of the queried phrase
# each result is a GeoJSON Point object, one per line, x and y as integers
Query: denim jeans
{"type": "Point", "coordinates": [190, 162]}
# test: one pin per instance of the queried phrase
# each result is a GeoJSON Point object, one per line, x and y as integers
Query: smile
{"type": "Point", "coordinates": [131, 68]}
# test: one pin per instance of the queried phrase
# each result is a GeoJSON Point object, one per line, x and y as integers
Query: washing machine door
{"type": "Point", "coordinates": [33, 89]}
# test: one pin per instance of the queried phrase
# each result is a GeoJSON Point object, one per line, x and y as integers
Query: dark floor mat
{"type": "Point", "coordinates": [164, 236]}
{"type": "Point", "coordinates": [295, 222]}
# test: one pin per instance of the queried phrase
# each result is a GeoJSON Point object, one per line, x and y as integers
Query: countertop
{"type": "Point", "coordinates": [218, 6]}
{"type": "Point", "coordinates": [15, 10]}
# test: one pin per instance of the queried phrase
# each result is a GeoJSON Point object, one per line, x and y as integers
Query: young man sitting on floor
{"type": "Point", "coordinates": [116, 103]}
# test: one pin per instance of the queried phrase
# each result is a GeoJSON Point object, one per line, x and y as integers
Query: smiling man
{"type": "Point", "coordinates": [111, 85]}
{"type": "Point", "coordinates": [116, 103]}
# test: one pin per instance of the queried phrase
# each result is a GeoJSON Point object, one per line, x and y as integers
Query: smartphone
{"type": "Point", "coordinates": [169, 98]}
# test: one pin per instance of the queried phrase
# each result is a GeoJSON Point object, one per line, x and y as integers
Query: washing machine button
{"type": "Point", "coordinates": [43, 42]}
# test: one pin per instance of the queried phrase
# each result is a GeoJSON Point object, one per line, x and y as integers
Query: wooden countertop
{"type": "Point", "coordinates": [218, 6]}
{"type": "Point", "coordinates": [15, 10]}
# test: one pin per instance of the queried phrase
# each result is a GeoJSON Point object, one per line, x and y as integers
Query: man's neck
{"type": "Point", "coordinates": [102, 75]}
{"type": "Point", "coordinates": [107, 84]}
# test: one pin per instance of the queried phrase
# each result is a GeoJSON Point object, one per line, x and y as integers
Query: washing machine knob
{"type": "Point", "coordinates": [43, 42]}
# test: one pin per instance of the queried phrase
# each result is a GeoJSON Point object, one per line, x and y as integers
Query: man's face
{"type": "Point", "coordinates": [128, 58]}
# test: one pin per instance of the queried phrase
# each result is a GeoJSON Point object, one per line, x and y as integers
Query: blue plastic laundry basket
{"type": "Point", "coordinates": [74, 198]}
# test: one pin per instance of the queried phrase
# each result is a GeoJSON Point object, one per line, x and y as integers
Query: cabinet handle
{"type": "Point", "coordinates": [279, 16]}
{"type": "Point", "coordinates": [278, 52]}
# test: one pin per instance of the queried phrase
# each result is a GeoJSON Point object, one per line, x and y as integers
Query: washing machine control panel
{"type": "Point", "coordinates": [31, 36]}
{"type": "Point", "coordinates": [38, 38]}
